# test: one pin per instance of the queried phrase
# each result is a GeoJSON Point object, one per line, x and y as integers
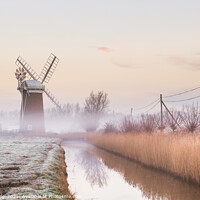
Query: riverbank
{"type": "Point", "coordinates": [174, 154]}
{"type": "Point", "coordinates": [32, 168]}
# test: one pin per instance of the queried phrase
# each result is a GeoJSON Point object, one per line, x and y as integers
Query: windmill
{"type": "Point", "coordinates": [31, 87]}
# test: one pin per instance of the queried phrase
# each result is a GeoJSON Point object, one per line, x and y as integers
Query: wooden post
{"type": "Point", "coordinates": [161, 112]}
{"type": "Point", "coordinates": [132, 115]}
{"type": "Point", "coordinates": [171, 115]}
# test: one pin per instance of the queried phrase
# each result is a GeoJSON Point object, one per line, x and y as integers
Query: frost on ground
{"type": "Point", "coordinates": [32, 167]}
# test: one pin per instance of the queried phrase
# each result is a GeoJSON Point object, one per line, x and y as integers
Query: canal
{"type": "Point", "coordinates": [94, 174]}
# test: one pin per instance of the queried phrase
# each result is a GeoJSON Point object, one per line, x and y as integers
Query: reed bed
{"type": "Point", "coordinates": [176, 154]}
{"type": "Point", "coordinates": [152, 183]}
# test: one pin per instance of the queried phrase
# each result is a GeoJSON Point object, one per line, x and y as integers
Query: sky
{"type": "Point", "coordinates": [134, 50]}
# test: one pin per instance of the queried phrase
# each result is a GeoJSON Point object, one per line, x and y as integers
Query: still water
{"type": "Point", "coordinates": [95, 174]}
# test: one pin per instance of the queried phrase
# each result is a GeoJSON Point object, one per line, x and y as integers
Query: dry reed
{"type": "Point", "coordinates": [153, 184]}
{"type": "Point", "coordinates": [176, 154]}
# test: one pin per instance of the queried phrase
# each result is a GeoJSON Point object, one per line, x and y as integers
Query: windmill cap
{"type": "Point", "coordinates": [33, 85]}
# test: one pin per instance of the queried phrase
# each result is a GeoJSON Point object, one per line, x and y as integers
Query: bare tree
{"type": "Point", "coordinates": [170, 122]}
{"type": "Point", "coordinates": [148, 122]}
{"type": "Point", "coordinates": [77, 109]}
{"type": "Point", "coordinates": [94, 108]}
{"type": "Point", "coordinates": [191, 117]}
{"type": "Point", "coordinates": [68, 110]}
{"type": "Point", "coordinates": [71, 109]}
{"type": "Point", "coordinates": [96, 103]}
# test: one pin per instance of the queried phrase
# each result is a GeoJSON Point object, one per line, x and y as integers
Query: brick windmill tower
{"type": "Point", "coordinates": [31, 87]}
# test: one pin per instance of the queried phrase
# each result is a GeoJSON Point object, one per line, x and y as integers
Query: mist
{"type": "Point", "coordinates": [75, 120]}
{"type": "Point", "coordinates": [9, 121]}
{"type": "Point", "coordinates": [71, 120]}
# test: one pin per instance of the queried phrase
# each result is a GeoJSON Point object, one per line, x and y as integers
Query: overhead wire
{"type": "Point", "coordinates": [155, 103]}
{"type": "Point", "coordinates": [141, 108]}
{"type": "Point", "coordinates": [153, 106]}
{"type": "Point", "coordinates": [180, 93]}
{"type": "Point", "coordinates": [184, 99]}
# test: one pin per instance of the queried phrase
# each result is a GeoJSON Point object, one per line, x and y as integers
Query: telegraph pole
{"type": "Point", "coordinates": [132, 114]}
{"type": "Point", "coordinates": [161, 112]}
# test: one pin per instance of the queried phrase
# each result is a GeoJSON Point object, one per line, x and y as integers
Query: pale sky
{"type": "Point", "coordinates": [133, 50]}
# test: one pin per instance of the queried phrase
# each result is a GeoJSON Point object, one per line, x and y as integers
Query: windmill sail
{"type": "Point", "coordinates": [53, 99]}
{"type": "Point", "coordinates": [49, 68]}
{"type": "Point", "coordinates": [20, 62]}
{"type": "Point", "coordinates": [45, 75]}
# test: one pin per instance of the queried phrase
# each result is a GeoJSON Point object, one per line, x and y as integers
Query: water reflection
{"type": "Point", "coordinates": [153, 184]}
{"type": "Point", "coordinates": [94, 168]}
{"type": "Point", "coordinates": [97, 174]}
{"type": "Point", "coordinates": [89, 178]}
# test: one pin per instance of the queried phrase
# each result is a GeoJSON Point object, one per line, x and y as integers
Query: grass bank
{"type": "Point", "coordinates": [176, 154]}
{"type": "Point", "coordinates": [32, 168]}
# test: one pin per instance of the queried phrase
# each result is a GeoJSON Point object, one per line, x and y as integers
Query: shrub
{"type": "Point", "coordinates": [191, 117]}
{"type": "Point", "coordinates": [129, 125]}
{"type": "Point", "coordinates": [110, 128]}
{"type": "Point", "coordinates": [148, 123]}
